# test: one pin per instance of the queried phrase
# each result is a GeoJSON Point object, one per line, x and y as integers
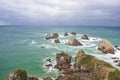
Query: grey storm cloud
{"type": "Point", "coordinates": [60, 12]}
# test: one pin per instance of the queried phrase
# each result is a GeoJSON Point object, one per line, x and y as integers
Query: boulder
{"type": "Point", "coordinates": [47, 78]}
{"type": "Point", "coordinates": [85, 37]}
{"type": "Point", "coordinates": [63, 61]}
{"type": "Point", "coordinates": [49, 60]}
{"type": "Point", "coordinates": [106, 47]}
{"type": "Point", "coordinates": [32, 78]}
{"type": "Point", "coordinates": [18, 74]}
{"type": "Point", "coordinates": [73, 33]}
{"type": "Point", "coordinates": [65, 34]}
{"type": "Point", "coordinates": [56, 41]}
{"type": "Point", "coordinates": [48, 36]}
{"type": "Point", "coordinates": [55, 35]}
{"type": "Point", "coordinates": [74, 42]}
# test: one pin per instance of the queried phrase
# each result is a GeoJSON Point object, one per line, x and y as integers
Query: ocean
{"type": "Point", "coordinates": [20, 46]}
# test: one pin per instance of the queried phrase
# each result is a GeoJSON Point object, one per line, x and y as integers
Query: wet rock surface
{"type": "Point", "coordinates": [106, 47]}
{"type": "Point", "coordinates": [57, 41]}
{"type": "Point", "coordinates": [54, 35]}
{"type": "Point", "coordinates": [33, 78]}
{"type": "Point", "coordinates": [74, 42]}
{"type": "Point", "coordinates": [63, 61]}
{"type": "Point", "coordinates": [73, 33]}
{"type": "Point", "coordinates": [85, 37]}
{"type": "Point", "coordinates": [65, 34]}
{"type": "Point", "coordinates": [47, 78]}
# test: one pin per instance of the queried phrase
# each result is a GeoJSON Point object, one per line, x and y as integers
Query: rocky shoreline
{"type": "Point", "coordinates": [85, 67]}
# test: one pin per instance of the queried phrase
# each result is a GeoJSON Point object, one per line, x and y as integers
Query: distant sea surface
{"type": "Point", "coordinates": [20, 46]}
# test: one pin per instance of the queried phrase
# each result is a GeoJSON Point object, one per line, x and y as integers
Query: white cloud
{"type": "Point", "coordinates": [59, 9]}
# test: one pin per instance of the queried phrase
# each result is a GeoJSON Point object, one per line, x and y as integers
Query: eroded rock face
{"type": "Point", "coordinates": [85, 37]}
{"type": "Point", "coordinates": [106, 47]}
{"type": "Point", "coordinates": [18, 74]}
{"type": "Point", "coordinates": [65, 34]}
{"type": "Point", "coordinates": [63, 61]}
{"type": "Point", "coordinates": [54, 35]}
{"type": "Point", "coordinates": [73, 33]}
{"type": "Point", "coordinates": [56, 41]}
{"type": "Point", "coordinates": [79, 57]}
{"type": "Point", "coordinates": [74, 42]}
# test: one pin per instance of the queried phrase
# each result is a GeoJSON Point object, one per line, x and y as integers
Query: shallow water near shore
{"type": "Point", "coordinates": [20, 46]}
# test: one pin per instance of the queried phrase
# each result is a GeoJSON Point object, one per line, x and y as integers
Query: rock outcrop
{"type": "Point", "coordinates": [56, 40]}
{"type": "Point", "coordinates": [65, 34]}
{"type": "Point", "coordinates": [54, 35]}
{"type": "Point", "coordinates": [47, 78]}
{"type": "Point", "coordinates": [85, 37]}
{"type": "Point", "coordinates": [32, 78]}
{"type": "Point", "coordinates": [18, 74]}
{"type": "Point", "coordinates": [106, 47]}
{"type": "Point", "coordinates": [63, 61]}
{"type": "Point", "coordinates": [74, 42]}
{"type": "Point", "coordinates": [73, 33]}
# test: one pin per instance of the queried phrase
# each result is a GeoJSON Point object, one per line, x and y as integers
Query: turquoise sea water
{"type": "Point", "coordinates": [20, 46]}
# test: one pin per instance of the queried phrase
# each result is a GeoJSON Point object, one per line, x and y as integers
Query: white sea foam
{"type": "Point", "coordinates": [33, 42]}
{"type": "Point", "coordinates": [108, 58]}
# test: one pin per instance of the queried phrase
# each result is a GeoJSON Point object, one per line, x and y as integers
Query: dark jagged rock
{"type": "Point", "coordinates": [115, 57]}
{"type": "Point", "coordinates": [49, 60]}
{"type": "Point", "coordinates": [118, 48]}
{"type": "Point", "coordinates": [32, 78]}
{"type": "Point", "coordinates": [85, 37]}
{"type": "Point", "coordinates": [65, 34]}
{"type": "Point", "coordinates": [73, 33]}
{"type": "Point", "coordinates": [63, 61]}
{"type": "Point", "coordinates": [48, 65]}
{"type": "Point", "coordinates": [56, 41]}
{"type": "Point", "coordinates": [48, 36]}
{"type": "Point", "coordinates": [54, 35]}
{"type": "Point", "coordinates": [74, 42]}
{"type": "Point", "coordinates": [116, 61]}
{"type": "Point", "coordinates": [47, 78]}
{"type": "Point", "coordinates": [106, 47]}
{"type": "Point", "coordinates": [18, 74]}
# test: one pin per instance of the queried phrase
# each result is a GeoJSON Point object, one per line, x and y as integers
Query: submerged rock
{"type": "Point", "coordinates": [74, 42]}
{"type": "Point", "coordinates": [85, 37]}
{"type": "Point", "coordinates": [73, 33]}
{"type": "Point", "coordinates": [63, 61]}
{"type": "Point", "coordinates": [106, 47]}
{"type": "Point", "coordinates": [18, 74]}
{"type": "Point", "coordinates": [65, 34]}
{"type": "Point", "coordinates": [56, 41]}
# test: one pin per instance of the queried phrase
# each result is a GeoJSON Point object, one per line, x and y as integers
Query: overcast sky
{"type": "Point", "coordinates": [63, 12]}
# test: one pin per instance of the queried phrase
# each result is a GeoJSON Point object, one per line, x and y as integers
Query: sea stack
{"type": "Point", "coordinates": [74, 42]}
{"type": "Point", "coordinates": [54, 35]}
{"type": "Point", "coordinates": [63, 61]}
{"type": "Point", "coordinates": [85, 37]}
{"type": "Point", "coordinates": [73, 33]}
{"type": "Point", "coordinates": [106, 47]}
{"type": "Point", "coordinates": [65, 34]}
{"type": "Point", "coordinates": [56, 40]}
